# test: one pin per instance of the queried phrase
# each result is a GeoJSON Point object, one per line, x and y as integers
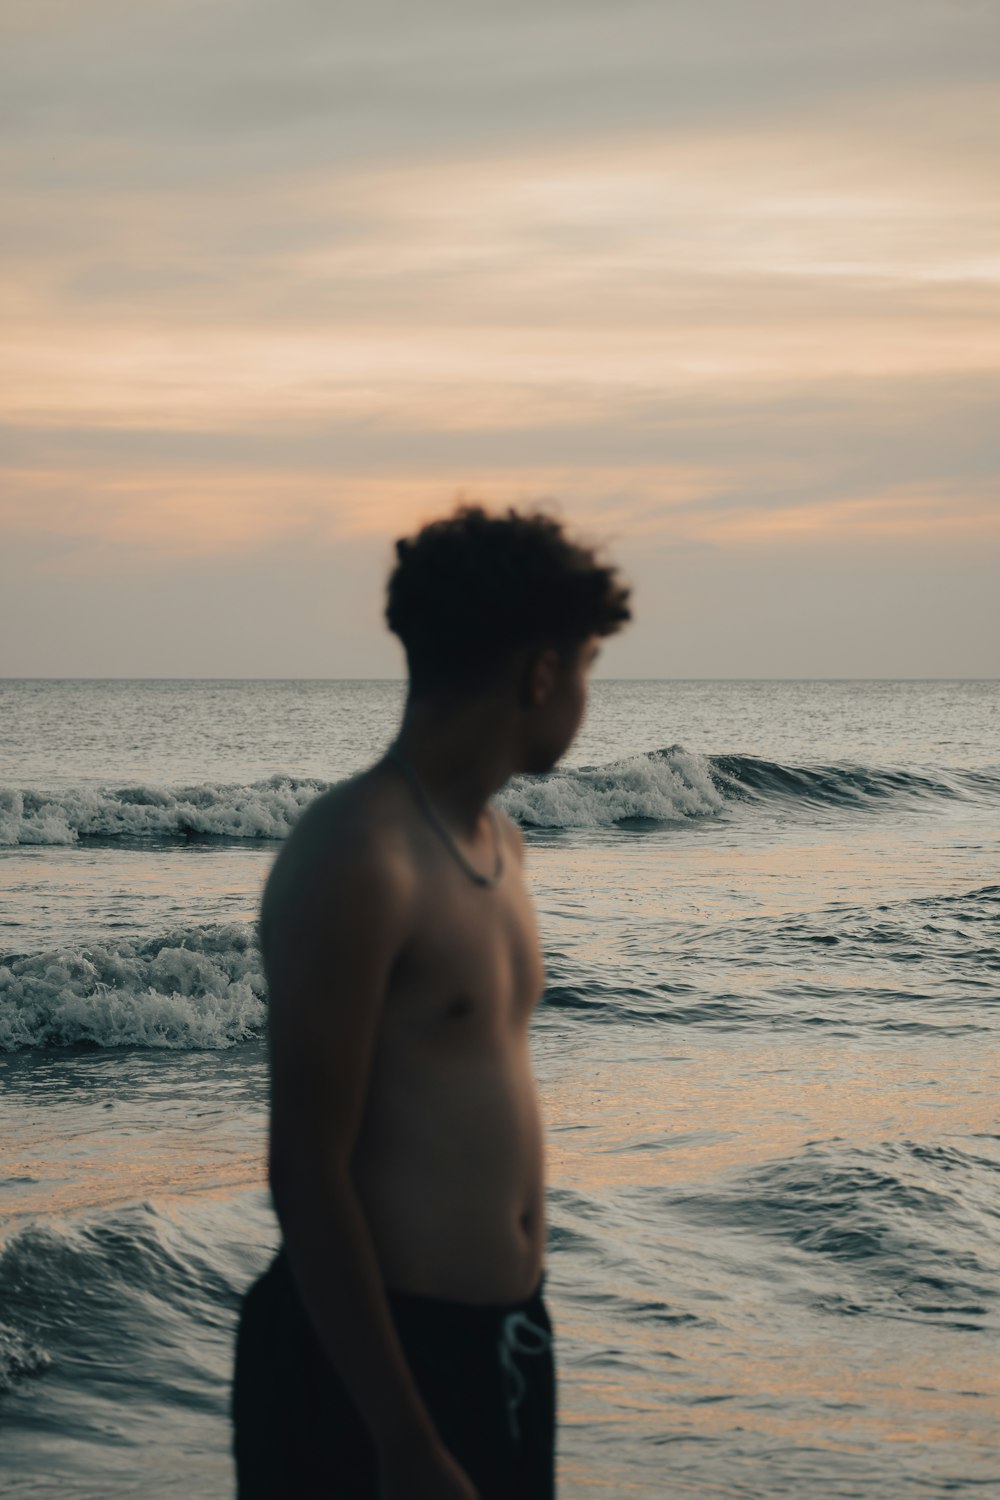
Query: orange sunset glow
{"type": "Point", "coordinates": [742, 323]}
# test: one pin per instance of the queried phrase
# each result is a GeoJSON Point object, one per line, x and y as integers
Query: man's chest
{"type": "Point", "coordinates": [474, 957]}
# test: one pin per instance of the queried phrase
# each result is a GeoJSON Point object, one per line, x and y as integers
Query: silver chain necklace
{"type": "Point", "coordinates": [435, 821]}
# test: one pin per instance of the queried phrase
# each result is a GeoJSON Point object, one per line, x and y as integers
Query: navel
{"type": "Point", "coordinates": [458, 1008]}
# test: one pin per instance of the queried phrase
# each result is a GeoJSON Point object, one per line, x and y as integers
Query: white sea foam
{"type": "Point", "coordinates": [263, 810]}
{"type": "Point", "coordinates": [202, 988]}
{"type": "Point", "coordinates": [664, 786]}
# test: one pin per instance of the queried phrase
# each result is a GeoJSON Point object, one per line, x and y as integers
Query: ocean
{"type": "Point", "coordinates": [767, 1057]}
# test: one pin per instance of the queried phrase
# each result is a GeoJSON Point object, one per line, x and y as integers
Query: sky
{"type": "Point", "coordinates": [716, 280]}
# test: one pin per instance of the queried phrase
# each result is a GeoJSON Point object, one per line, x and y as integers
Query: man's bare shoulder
{"type": "Point", "coordinates": [512, 835]}
{"type": "Point", "coordinates": [353, 832]}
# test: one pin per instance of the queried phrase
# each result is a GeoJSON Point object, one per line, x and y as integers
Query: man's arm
{"type": "Point", "coordinates": [330, 944]}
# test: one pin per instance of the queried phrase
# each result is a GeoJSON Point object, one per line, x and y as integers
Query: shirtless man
{"type": "Point", "coordinates": [399, 1345]}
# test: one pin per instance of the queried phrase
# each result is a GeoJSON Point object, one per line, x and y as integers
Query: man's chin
{"type": "Point", "coordinates": [539, 762]}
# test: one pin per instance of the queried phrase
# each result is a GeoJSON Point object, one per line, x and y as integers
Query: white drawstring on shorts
{"type": "Point", "coordinates": [519, 1335]}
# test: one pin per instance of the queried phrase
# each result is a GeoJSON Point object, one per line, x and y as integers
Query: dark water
{"type": "Point", "coordinates": [767, 1056]}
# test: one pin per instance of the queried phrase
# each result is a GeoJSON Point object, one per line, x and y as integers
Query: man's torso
{"type": "Point", "coordinates": [448, 1163]}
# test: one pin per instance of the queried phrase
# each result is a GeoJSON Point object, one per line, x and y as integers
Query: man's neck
{"type": "Point", "coordinates": [462, 752]}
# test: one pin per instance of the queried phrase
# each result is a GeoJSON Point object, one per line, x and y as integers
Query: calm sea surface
{"type": "Point", "coordinates": [768, 1059]}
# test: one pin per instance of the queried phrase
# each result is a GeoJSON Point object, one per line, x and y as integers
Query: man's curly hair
{"type": "Point", "coordinates": [469, 590]}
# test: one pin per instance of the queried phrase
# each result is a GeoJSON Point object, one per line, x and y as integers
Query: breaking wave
{"type": "Point", "coordinates": [674, 784]}
{"type": "Point", "coordinates": [660, 786]}
{"type": "Point", "coordinates": [262, 810]}
{"type": "Point", "coordinates": [199, 988]}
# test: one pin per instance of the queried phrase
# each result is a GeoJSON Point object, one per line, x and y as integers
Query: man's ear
{"type": "Point", "coordinates": [540, 672]}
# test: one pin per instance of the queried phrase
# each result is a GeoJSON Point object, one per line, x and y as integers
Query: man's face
{"type": "Point", "coordinates": [558, 686]}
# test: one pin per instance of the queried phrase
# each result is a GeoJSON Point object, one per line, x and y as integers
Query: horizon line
{"type": "Point", "coordinates": [58, 677]}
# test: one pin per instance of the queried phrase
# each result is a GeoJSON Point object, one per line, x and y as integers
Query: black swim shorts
{"type": "Point", "coordinates": [486, 1374]}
